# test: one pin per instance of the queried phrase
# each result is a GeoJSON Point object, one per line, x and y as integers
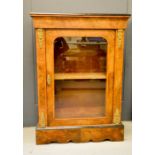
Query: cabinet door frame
{"type": "Point", "coordinates": [50, 36]}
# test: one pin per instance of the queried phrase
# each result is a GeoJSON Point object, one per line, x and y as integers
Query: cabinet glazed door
{"type": "Point", "coordinates": [80, 72]}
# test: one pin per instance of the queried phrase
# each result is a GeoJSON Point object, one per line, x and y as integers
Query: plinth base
{"type": "Point", "coordinates": [93, 133]}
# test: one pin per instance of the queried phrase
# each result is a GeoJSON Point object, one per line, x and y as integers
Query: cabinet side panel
{"type": "Point", "coordinates": [41, 77]}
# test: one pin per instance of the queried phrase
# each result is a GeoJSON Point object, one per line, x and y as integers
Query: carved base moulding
{"type": "Point", "coordinates": [66, 134]}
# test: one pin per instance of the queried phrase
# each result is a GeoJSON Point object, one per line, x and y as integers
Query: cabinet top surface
{"type": "Point", "coordinates": [78, 14]}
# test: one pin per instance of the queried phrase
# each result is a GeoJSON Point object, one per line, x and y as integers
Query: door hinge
{"type": "Point", "coordinates": [40, 37]}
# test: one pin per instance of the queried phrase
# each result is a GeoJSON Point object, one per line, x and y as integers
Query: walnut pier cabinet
{"type": "Point", "coordinates": [79, 76]}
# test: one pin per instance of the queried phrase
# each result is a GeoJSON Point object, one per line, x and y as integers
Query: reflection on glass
{"type": "Point", "coordinates": [80, 54]}
{"type": "Point", "coordinates": [80, 67]}
{"type": "Point", "coordinates": [79, 98]}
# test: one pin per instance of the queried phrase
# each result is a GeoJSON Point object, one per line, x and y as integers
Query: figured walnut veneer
{"type": "Point", "coordinates": [80, 134]}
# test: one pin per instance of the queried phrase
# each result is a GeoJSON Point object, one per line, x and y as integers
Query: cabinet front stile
{"type": "Point", "coordinates": [41, 77]}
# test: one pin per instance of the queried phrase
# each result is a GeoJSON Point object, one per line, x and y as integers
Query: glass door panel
{"type": "Point", "coordinates": [79, 98]}
{"type": "Point", "coordinates": [80, 77]}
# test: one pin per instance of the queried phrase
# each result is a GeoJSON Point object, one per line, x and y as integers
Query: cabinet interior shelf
{"type": "Point", "coordinates": [70, 76]}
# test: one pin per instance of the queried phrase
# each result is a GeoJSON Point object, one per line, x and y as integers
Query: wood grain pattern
{"type": "Point", "coordinates": [80, 134]}
{"type": "Point", "coordinates": [64, 76]}
{"type": "Point", "coordinates": [78, 22]}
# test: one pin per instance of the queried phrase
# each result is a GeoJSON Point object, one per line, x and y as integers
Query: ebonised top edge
{"type": "Point", "coordinates": [76, 14]}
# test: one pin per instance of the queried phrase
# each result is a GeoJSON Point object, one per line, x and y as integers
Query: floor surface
{"type": "Point", "coordinates": [90, 148]}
